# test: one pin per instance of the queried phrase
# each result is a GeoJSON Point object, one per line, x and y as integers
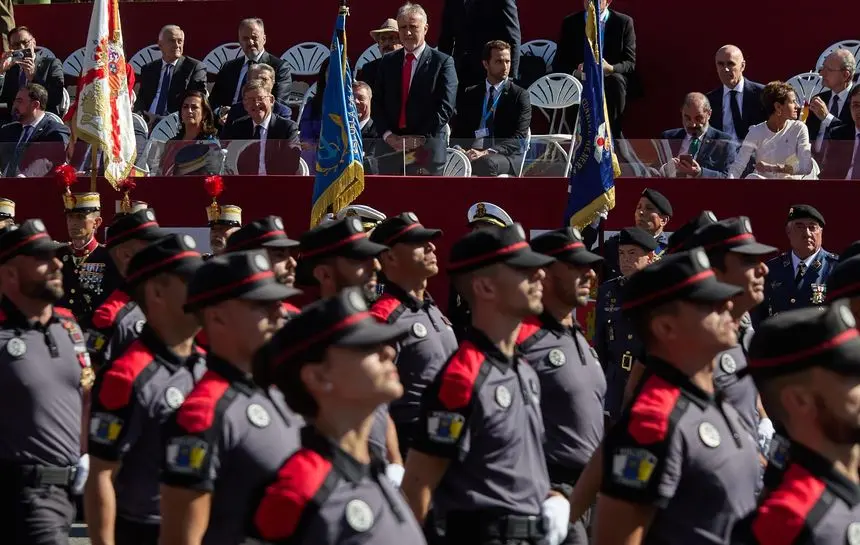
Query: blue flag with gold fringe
{"type": "Point", "coordinates": [591, 187]}
{"type": "Point", "coordinates": [339, 170]}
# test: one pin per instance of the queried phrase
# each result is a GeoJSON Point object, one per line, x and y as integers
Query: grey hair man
{"type": "Point", "coordinates": [698, 149]}
{"type": "Point", "coordinates": [830, 108]}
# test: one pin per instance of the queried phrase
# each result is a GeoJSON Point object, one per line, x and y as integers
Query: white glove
{"type": "Point", "coordinates": [765, 434]}
{"type": "Point", "coordinates": [395, 473]}
{"type": "Point", "coordinates": [81, 475]}
{"type": "Point", "coordinates": [556, 517]}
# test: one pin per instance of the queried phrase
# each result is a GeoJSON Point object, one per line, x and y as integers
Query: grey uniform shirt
{"type": "Point", "coordinates": [813, 504]}
{"type": "Point", "coordinates": [228, 438]}
{"type": "Point", "coordinates": [378, 438]}
{"type": "Point", "coordinates": [116, 323]}
{"type": "Point", "coordinates": [686, 453]}
{"type": "Point", "coordinates": [572, 392]}
{"type": "Point", "coordinates": [324, 496]}
{"type": "Point", "coordinates": [43, 371]}
{"type": "Point", "coordinates": [132, 397]}
{"type": "Point", "coordinates": [740, 392]}
{"type": "Point", "coordinates": [483, 414]}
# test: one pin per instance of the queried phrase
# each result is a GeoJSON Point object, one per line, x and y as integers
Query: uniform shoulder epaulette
{"type": "Point", "coordinates": [460, 375]}
{"type": "Point", "coordinates": [117, 383]}
{"type": "Point", "coordinates": [197, 413]}
{"type": "Point", "coordinates": [782, 516]}
{"type": "Point", "coordinates": [530, 326]}
{"type": "Point", "coordinates": [831, 255]}
{"type": "Point", "coordinates": [387, 308]}
{"type": "Point", "coordinates": [63, 312]}
{"type": "Point", "coordinates": [106, 315]}
{"type": "Point", "coordinates": [300, 481]}
{"type": "Point", "coordinates": [651, 410]}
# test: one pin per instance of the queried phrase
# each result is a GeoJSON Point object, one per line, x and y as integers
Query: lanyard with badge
{"type": "Point", "coordinates": [483, 132]}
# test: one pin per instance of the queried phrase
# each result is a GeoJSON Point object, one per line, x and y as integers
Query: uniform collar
{"type": "Point", "coordinates": [88, 248]}
{"type": "Point", "coordinates": [228, 371]}
{"type": "Point", "coordinates": [407, 299]}
{"type": "Point", "coordinates": [11, 317]}
{"type": "Point", "coordinates": [671, 374]}
{"type": "Point", "coordinates": [165, 355]}
{"type": "Point", "coordinates": [823, 469]}
{"type": "Point", "coordinates": [485, 345]}
{"type": "Point", "coordinates": [549, 323]}
{"type": "Point", "coordinates": [347, 466]}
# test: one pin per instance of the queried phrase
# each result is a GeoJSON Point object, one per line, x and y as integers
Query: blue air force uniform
{"type": "Point", "coordinates": [781, 293]}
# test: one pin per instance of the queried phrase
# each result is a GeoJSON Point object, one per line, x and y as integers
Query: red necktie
{"type": "Point", "coordinates": [405, 80]}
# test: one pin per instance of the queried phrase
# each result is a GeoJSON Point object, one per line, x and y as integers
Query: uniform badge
{"type": "Point", "coordinates": [556, 357]}
{"type": "Point", "coordinates": [503, 396]}
{"type": "Point", "coordinates": [359, 516]}
{"type": "Point", "coordinates": [105, 428]}
{"type": "Point", "coordinates": [138, 326]}
{"type": "Point", "coordinates": [853, 534]}
{"type": "Point", "coordinates": [16, 347]}
{"type": "Point", "coordinates": [709, 434]}
{"type": "Point", "coordinates": [818, 292]}
{"type": "Point", "coordinates": [633, 467]}
{"type": "Point", "coordinates": [96, 341]}
{"type": "Point", "coordinates": [356, 301]}
{"type": "Point", "coordinates": [847, 317]}
{"type": "Point", "coordinates": [186, 455]}
{"type": "Point", "coordinates": [728, 364]}
{"type": "Point", "coordinates": [445, 427]}
{"type": "Point", "coordinates": [88, 377]}
{"type": "Point", "coordinates": [174, 397]}
{"type": "Point", "coordinates": [778, 452]}
{"type": "Point", "coordinates": [419, 330]}
{"type": "Point", "coordinates": [258, 416]}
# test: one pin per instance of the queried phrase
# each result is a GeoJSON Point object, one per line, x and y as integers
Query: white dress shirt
{"type": "Point", "coordinates": [264, 131]}
{"type": "Point", "coordinates": [788, 146]}
{"type": "Point", "coordinates": [728, 122]}
{"type": "Point", "coordinates": [795, 261]}
{"type": "Point", "coordinates": [154, 104]}
{"type": "Point", "coordinates": [242, 73]}
{"type": "Point", "coordinates": [363, 122]}
{"type": "Point", "coordinates": [831, 115]}
{"type": "Point", "coordinates": [850, 175]}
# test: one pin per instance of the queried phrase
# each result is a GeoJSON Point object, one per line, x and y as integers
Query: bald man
{"type": "Point", "coordinates": [830, 108]}
{"type": "Point", "coordinates": [736, 103]}
{"type": "Point", "coordinates": [698, 149]}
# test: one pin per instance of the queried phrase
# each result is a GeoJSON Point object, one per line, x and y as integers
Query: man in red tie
{"type": "Point", "coordinates": [413, 99]}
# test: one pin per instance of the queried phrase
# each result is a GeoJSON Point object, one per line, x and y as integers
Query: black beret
{"type": "Point", "coordinates": [173, 254]}
{"type": "Point", "coordinates": [140, 225]}
{"type": "Point", "coordinates": [679, 240]}
{"type": "Point", "coordinates": [637, 237]}
{"type": "Point", "coordinates": [659, 201]}
{"type": "Point", "coordinates": [565, 245]}
{"type": "Point", "coordinates": [844, 280]}
{"type": "Point", "coordinates": [732, 234]}
{"type": "Point", "coordinates": [804, 211]}
{"type": "Point", "coordinates": [29, 238]}
{"type": "Point", "coordinates": [266, 232]}
{"type": "Point", "coordinates": [483, 248]}
{"type": "Point", "coordinates": [403, 228]}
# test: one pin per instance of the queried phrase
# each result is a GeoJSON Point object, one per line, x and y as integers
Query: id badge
{"type": "Point", "coordinates": [482, 133]}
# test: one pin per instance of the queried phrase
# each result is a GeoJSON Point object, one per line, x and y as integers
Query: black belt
{"type": "Point", "coordinates": [496, 525]}
{"type": "Point", "coordinates": [564, 474]}
{"type": "Point", "coordinates": [38, 475]}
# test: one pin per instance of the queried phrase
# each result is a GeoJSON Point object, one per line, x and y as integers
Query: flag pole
{"type": "Point", "coordinates": [94, 171]}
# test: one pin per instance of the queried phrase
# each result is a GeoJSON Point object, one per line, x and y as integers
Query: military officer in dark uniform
{"type": "Point", "coordinates": [615, 340]}
{"type": "Point", "coordinates": [335, 365]}
{"type": "Point", "coordinates": [133, 396]}
{"type": "Point", "coordinates": [479, 454]}
{"type": "Point", "coordinates": [89, 275]}
{"type": "Point", "coordinates": [230, 436]}
{"type": "Point", "coordinates": [7, 213]}
{"type": "Point", "coordinates": [45, 376]}
{"type": "Point", "coordinates": [806, 364]}
{"type": "Point", "coordinates": [571, 380]}
{"type": "Point", "coordinates": [224, 220]}
{"type": "Point", "coordinates": [681, 463]}
{"type": "Point", "coordinates": [798, 278]}
{"type": "Point", "coordinates": [652, 214]}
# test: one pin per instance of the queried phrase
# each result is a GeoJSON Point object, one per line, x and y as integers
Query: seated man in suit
{"type": "Point", "coordinates": [234, 74]}
{"type": "Point", "coordinates": [698, 149]}
{"type": "Point", "coordinates": [829, 108]}
{"type": "Point", "coordinates": [493, 117]}
{"type": "Point", "coordinates": [737, 102]}
{"type": "Point", "coordinates": [163, 82]}
{"type": "Point", "coordinates": [277, 136]}
{"type": "Point", "coordinates": [265, 74]}
{"type": "Point", "coordinates": [22, 65]}
{"type": "Point", "coordinates": [369, 136]}
{"type": "Point", "coordinates": [387, 41]}
{"type": "Point", "coordinates": [18, 153]}
{"type": "Point", "coordinates": [842, 152]}
{"type": "Point", "coordinates": [413, 100]}
{"type": "Point", "coordinates": [619, 57]}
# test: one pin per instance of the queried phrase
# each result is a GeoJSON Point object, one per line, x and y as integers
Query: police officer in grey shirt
{"type": "Point", "coordinates": [136, 392]}
{"type": "Point", "coordinates": [572, 383]}
{"type": "Point", "coordinates": [680, 466]}
{"type": "Point", "coordinates": [806, 363]}
{"type": "Point", "coordinates": [230, 436]}
{"type": "Point", "coordinates": [45, 374]}
{"type": "Point", "coordinates": [335, 365]}
{"type": "Point", "coordinates": [407, 264]}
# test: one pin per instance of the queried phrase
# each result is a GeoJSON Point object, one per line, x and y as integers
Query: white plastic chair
{"type": "Point", "coordinates": [45, 52]}
{"type": "Point", "coordinates": [305, 59]}
{"type": "Point", "coordinates": [552, 95]}
{"type": "Point", "coordinates": [806, 86]}
{"type": "Point", "coordinates": [309, 94]}
{"type": "Point", "coordinates": [65, 102]}
{"type": "Point", "coordinates": [369, 54]}
{"type": "Point", "coordinates": [457, 164]}
{"type": "Point", "coordinates": [219, 56]}
{"type": "Point", "coordinates": [297, 93]}
{"type": "Point", "coordinates": [54, 117]}
{"type": "Point", "coordinates": [526, 147]}
{"type": "Point", "coordinates": [544, 49]}
{"type": "Point", "coordinates": [303, 168]}
{"type": "Point", "coordinates": [851, 45]}
{"type": "Point", "coordinates": [74, 63]}
{"type": "Point", "coordinates": [140, 123]}
{"type": "Point", "coordinates": [165, 129]}
{"type": "Point", "coordinates": [144, 57]}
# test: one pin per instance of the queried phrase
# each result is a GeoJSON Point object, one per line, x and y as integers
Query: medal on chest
{"type": "Point", "coordinates": [818, 293]}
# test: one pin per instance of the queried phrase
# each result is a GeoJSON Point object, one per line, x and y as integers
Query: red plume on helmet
{"type": "Point", "coordinates": [214, 186]}
{"type": "Point", "coordinates": [65, 175]}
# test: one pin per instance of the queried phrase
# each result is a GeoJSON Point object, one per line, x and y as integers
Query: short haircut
{"type": "Point", "coordinates": [251, 21]}
{"type": "Point", "coordinates": [848, 61]}
{"type": "Point", "coordinates": [356, 85]}
{"type": "Point", "coordinates": [288, 379]}
{"type": "Point", "coordinates": [775, 92]}
{"type": "Point", "coordinates": [36, 92]}
{"type": "Point", "coordinates": [853, 92]}
{"type": "Point", "coordinates": [494, 44]}
{"type": "Point", "coordinates": [695, 99]}
{"type": "Point", "coordinates": [771, 389]}
{"type": "Point", "coordinates": [169, 28]}
{"type": "Point", "coordinates": [641, 319]}
{"type": "Point", "coordinates": [253, 85]}
{"type": "Point", "coordinates": [717, 259]}
{"type": "Point", "coordinates": [18, 29]}
{"type": "Point", "coordinates": [263, 67]}
{"type": "Point", "coordinates": [409, 9]}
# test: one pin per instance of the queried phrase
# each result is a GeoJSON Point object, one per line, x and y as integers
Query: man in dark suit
{"type": "Point", "coordinates": [697, 148]}
{"type": "Point", "coordinates": [619, 57]}
{"type": "Point", "coordinates": [266, 75]}
{"type": "Point", "coordinates": [17, 152]}
{"type": "Point", "coordinates": [493, 117]}
{"type": "Point", "coordinates": [23, 65]}
{"type": "Point", "coordinates": [369, 135]}
{"type": "Point", "coordinates": [164, 82]}
{"type": "Point", "coordinates": [842, 152]}
{"type": "Point", "coordinates": [228, 84]}
{"type": "Point", "coordinates": [737, 102]}
{"type": "Point", "coordinates": [387, 40]}
{"type": "Point", "coordinates": [468, 25]}
{"type": "Point", "coordinates": [830, 109]}
{"type": "Point", "coordinates": [413, 100]}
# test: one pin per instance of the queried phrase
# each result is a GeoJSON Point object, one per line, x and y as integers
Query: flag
{"type": "Point", "coordinates": [591, 188]}
{"type": "Point", "coordinates": [339, 177]}
{"type": "Point", "coordinates": [103, 114]}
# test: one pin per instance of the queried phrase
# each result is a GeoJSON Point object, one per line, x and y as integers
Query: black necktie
{"type": "Point", "coordinates": [834, 107]}
{"type": "Point", "coordinates": [737, 120]}
{"type": "Point", "coordinates": [801, 270]}
{"type": "Point", "coordinates": [257, 130]}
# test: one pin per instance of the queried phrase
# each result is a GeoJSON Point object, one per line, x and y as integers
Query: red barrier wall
{"type": "Point", "coordinates": [676, 40]}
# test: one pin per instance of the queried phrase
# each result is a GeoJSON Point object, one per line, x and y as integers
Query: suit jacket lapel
{"type": "Point", "coordinates": [422, 62]}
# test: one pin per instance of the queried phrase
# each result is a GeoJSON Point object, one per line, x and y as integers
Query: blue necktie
{"type": "Point", "coordinates": [12, 167]}
{"type": "Point", "coordinates": [161, 107]}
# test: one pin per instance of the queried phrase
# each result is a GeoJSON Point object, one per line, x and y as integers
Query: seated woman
{"type": "Point", "coordinates": [780, 144]}
{"type": "Point", "coordinates": [310, 123]}
{"type": "Point", "coordinates": [196, 126]}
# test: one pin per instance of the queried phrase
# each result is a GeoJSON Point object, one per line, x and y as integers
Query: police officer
{"type": "Point", "coordinates": [335, 365]}
{"type": "Point", "coordinates": [652, 214]}
{"type": "Point", "coordinates": [479, 453]}
{"type": "Point", "coordinates": [616, 342]}
{"type": "Point", "coordinates": [229, 435]}
{"type": "Point", "coordinates": [124, 208]}
{"type": "Point", "coordinates": [798, 278]}
{"type": "Point", "coordinates": [844, 283]}
{"type": "Point", "coordinates": [133, 396]}
{"type": "Point", "coordinates": [224, 220]}
{"type": "Point", "coordinates": [680, 463]}
{"type": "Point", "coordinates": [89, 275]}
{"type": "Point", "coordinates": [806, 364]}
{"type": "Point", "coordinates": [119, 320]}
{"type": "Point", "coordinates": [45, 373]}
{"type": "Point", "coordinates": [7, 213]}
{"type": "Point", "coordinates": [572, 384]}
{"type": "Point", "coordinates": [407, 264]}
